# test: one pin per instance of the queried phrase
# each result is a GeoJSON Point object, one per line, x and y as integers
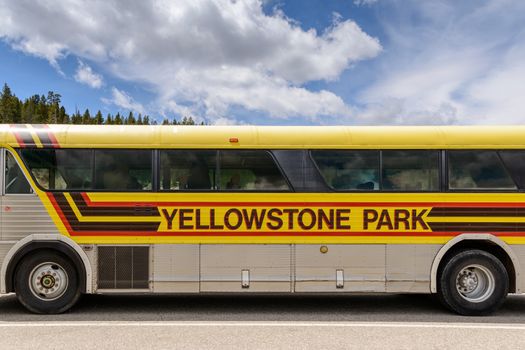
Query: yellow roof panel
{"type": "Point", "coordinates": [423, 137]}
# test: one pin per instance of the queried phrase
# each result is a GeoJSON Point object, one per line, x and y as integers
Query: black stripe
{"type": "Point", "coordinates": [25, 135]}
{"type": "Point", "coordinates": [475, 211]}
{"type": "Point", "coordinates": [43, 133]}
{"type": "Point", "coordinates": [44, 138]}
{"type": "Point", "coordinates": [101, 226]}
{"type": "Point", "coordinates": [86, 210]}
{"type": "Point", "coordinates": [477, 226]}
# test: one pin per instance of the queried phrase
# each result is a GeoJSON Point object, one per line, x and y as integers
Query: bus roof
{"type": "Point", "coordinates": [275, 137]}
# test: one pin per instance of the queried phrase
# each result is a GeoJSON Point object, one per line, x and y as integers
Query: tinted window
{"type": "Point", "coordinates": [249, 170]}
{"type": "Point", "coordinates": [187, 170]}
{"type": "Point", "coordinates": [477, 170]}
{"type": "Point", "coordinates": [121, 170]}
{"type": "Point", "coordinates": [60, 169]}
{"type": "Point", "coordinates": [349, 170]}
{"type": "Point", "coordinates": [15, 181]}
{"type": "Point", "coordinates": [410, 170]}
{"type": "Point", "coordinates": [515, 163]}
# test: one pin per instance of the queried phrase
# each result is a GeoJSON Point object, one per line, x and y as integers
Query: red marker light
{"type": "Point", "coordinates": [234, 139]}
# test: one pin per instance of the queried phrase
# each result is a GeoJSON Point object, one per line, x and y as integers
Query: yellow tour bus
{"type": "Point", "coordinates": [246, 209]}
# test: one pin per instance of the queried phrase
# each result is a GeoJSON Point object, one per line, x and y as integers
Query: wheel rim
{"type": "Point", "coordinates": [475, 283]}
{"type": "Point", "coordinates": [48, 281]}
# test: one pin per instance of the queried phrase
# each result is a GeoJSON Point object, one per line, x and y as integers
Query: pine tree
{"type": "Point", "coordinates": [99, 119]}
{"type": "Point", "coordinates": [10, 111]}
{"type": "Point", "coordinates": [76, 118]}
{"type": "Point", "coordinates": [131, 119]}
{"type": "Point", "coordinates": [62, 118]}
{"type": "Point", "coordinates": [86, 117]}
{"type": "Point", "coordinates": [118, 119]}
{"type": "Point", "coordinates": [41, 116]}
{"type": "Point", "coordinates": [41, 109]}
{"type": "Point", "coordinates": [53, 101]}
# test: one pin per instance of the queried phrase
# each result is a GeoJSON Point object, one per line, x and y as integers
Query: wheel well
{"type": "Point", "coordinates": [32, 247]}
{"type": "Point", "coordinates": [487, 246]}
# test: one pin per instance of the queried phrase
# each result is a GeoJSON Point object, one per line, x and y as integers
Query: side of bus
{"type": "Point", "coordinates": [467, 250]}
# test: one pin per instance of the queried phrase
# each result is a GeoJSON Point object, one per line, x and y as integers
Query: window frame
{"type": "Point", "coordinates": [3, 159]}
{"type": "Point", "coordinates": [92, 189]}
{"type": "Point", "coordinates": [380, 168]}
{"type": "Point", "coordinates": [217, 188]}
{"type": "Point", "coordinates": [415, 150]}
{"type": "Point", "coordinates": [153, 174]}
{"type": "Point", "coordinates": [186, 190]}
{"type": "Point", "coordinates": [479, 190]}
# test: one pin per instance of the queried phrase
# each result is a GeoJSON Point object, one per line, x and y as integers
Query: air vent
{"type": "Point", "coordinates": [123, 267]}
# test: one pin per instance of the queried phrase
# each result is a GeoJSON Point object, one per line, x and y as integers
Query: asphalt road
{"type": "Point", "coordinates": [261, 322]}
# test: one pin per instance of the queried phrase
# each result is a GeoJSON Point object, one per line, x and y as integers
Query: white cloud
{"type": "Point", "coordinates": [364, 2]}
{"type": "Point", "coordinates": [85, 75]}
{"type": "Point", "coordinates": [208, 55]}
{"type": "Point", "coordinates": [449, 62]}
{"type": "Point", "coordinates": [121, 99]}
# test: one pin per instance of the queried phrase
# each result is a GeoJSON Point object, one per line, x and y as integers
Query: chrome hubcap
{"type": "Point", "coordinates": [48, 281]}
{"type": "Point", "coordinates": [475, 283]}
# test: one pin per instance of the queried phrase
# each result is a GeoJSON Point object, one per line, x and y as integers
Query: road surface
{"type": "Point", "coordinates": [261, 322]}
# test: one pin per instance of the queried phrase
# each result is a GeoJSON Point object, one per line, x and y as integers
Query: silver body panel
{"type": "Point", "coordinates": [22, 215]}
{"type": "Point", "coordinates": [408, 267]}
{"type": "Point", "coordinates": [282, 268]}
{"type": "Point", "coordinates": [363, 268]}
{"type": "Point", "coordinates": [269, 268]}
{"type": "Point", "coordinates": [175, 268]}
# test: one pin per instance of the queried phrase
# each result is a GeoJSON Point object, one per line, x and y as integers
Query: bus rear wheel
{"type": "Point", "coordinates": [47, 283]}
{"type": "Point", "coordinates": [473, 283]}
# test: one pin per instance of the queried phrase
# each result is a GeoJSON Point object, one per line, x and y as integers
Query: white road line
{"type": "Point", "coordinates": [503, 326]}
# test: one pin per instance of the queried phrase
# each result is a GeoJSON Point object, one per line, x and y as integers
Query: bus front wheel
{"type": "Point", "coordinates": [46, 282]}
{"type": "Point", "coordinates": [473, 283]}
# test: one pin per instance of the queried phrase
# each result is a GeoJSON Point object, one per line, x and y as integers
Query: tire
{"type": "Point", "coordinates": [473, 283]}
{"type": "Point", "coordinates": [42, 269]}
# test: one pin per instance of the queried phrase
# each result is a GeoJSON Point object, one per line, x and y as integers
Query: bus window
{"type": "Point", "coordinates": [15, 181]}
{"type": "Point", "coordinates": [121, 170]}
{"type": "Point", "coordinates": [477, 170]}
{"type": "Point", "coordinates": [60, 169]}
{"type": "Point", "coordinates": [251, 171]}
{"type": "Point", "coordinates": [187, 170]}
{"type": "Point", "coordinates": [349, 170]}
{"type": "Point", "coordinates": [410, 170]}
{"type": "Point", "coordinates": [515, 163]}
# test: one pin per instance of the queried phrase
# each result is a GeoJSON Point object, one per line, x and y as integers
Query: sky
{"type": "Point", "coordinates": [273, 62]}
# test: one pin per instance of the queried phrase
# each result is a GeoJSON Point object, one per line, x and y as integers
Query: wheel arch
{"type": "Point", "coordinates": [482, 241]}
{"type": "Point", "coordinates": [62, 244]}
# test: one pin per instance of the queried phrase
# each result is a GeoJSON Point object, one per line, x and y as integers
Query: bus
{"type": "Point", "coordinates": [262, 209]}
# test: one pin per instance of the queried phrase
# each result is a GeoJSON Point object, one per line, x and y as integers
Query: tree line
{"type": "Point", "coordinates": [42, 109]}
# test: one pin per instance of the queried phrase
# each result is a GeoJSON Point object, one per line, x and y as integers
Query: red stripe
{"type": "Point", "coordinates": [287, 234]}
{"type": "Point", "coordinates": [60, 214]}
{"type": "Point", "coordinates": [18, 138]}
{"type": "Point", "coordinates": [51, 136]}
{"type": "Point", "coordinates": [302, 204]}
{"type": "Point", "coordinates": [195, 234]}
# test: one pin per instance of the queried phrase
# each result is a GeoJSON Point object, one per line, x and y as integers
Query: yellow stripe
{"type": "Point", "coordinates": [371, 198]}
{"type": "Point", "coordinates": [262, 240]}
{"type": "Point", "coordinates": [475, 219]}
{"type": "Point", "coordinates": [276, 240]}
{"type": "Point", "coordinates": [82, 218]}
{"type": "Point", "coordinates": [34, 136]}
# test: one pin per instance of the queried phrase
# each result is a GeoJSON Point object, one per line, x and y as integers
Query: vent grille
{"type": "Point", "coordinates": [123, 267]}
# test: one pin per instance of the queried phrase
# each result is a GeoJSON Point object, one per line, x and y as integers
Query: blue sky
{"type": "Point", "coordinates": [274, 62]}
